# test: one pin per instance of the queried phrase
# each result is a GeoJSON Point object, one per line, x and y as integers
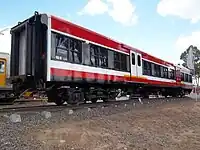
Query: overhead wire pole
{"type": "Point", "coordinates": [190, 64]}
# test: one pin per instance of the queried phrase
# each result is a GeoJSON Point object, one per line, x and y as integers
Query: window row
{"type": "Point", "coordinates": [186, 77]}
{"type": "Point", "coordinates": [69, 49]}
{"type": "Point", "coordinates": [155, 70]}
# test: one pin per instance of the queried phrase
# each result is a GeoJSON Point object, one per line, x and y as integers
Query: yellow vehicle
{"type": "Point", "coordinates": [3, 72]}
{"type": "Point", "coordinates": [5, 87]}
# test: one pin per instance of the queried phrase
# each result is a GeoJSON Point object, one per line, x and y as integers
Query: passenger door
{"type": "Point", "coordinates": [133, 63]}
{"type": "Point", "coordinates": [139, 64]}
{"type": "Point", "coordinates": [2, 72]}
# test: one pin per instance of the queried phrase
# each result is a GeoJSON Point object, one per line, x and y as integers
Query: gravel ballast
{"type": "Point", "coordinates": [18, 127]}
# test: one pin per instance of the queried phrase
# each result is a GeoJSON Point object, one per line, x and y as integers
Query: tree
{"type": "Point", "coordinates": [196, 53]}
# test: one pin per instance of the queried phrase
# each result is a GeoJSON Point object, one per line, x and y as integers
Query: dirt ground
{"type": "Point", "coordinates": [167, 127]}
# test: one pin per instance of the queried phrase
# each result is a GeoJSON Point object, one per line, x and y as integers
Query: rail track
{"type": "Point", "coordinates": [52, 107]}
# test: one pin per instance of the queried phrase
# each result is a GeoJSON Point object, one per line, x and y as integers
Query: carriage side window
{"type": "Point", "coordinates": [171, 74]}
{"type": "Point", "coordinates": [75, 51]}
{"type": "Point", "coordinates": [127, 63]}
{"type": "Point", "coordinates": [117, 60]}
{"type": "Point", "coordinates": [149, 68]}
{"type": "Point", "coordinates": [99, 56]}
{"type": "Point", "coordinates": [153, 69]}
{"type": "Point", "coordinates": [186, 77]}
{"type": "Point", "coordinates": [190, 78]}
{"type": "Point", "coordinates": [66, 48]}
{"type": "Point", "coordinates": [62, 48]}
{"type": "Point", "coordinates": [182, 76]}
{"type": "Point", "coordinates": [161, 71]}
{"type": "Point", "coordinates": [123, 63]}
{"type": "Point", "coordinates": [110, 59]}
{"type": "Point", "coordinates": [103, 57]}
{"type": "Point", "coordinates": [94, 55]}
{"type": "Point", "coordinates": [165, 70]}
{"type": "Point", "coordinates": [157, 71]}
{"type": "Point", "coordinates": [86, 54]}
{"type": "Point", "coordinates": [146, 68]}
{"type": "Point", "coordinates": [145, 71]}
{"type": "Point", "coordinates": [133, 59]}
{"type": "Point", "coordinates": [53, 45]}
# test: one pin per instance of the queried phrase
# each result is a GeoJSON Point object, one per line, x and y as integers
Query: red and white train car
{"type": "Point", "coordinates": [74, 64]}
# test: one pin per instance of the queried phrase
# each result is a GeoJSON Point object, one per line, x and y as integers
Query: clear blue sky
{"type": "Point", "coordinates": [153, 33]}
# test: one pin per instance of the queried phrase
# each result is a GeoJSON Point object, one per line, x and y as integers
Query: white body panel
{"type": "Point", "coordinates": [84, 68]}
{"type": "Point", "coordinates": [159, 79]}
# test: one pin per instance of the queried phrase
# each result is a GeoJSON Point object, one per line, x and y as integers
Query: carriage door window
{"type": "Point", "coordinates": [2, 73]}
{"type": "Point", "coordinates": [133, 59]}
{"type": "Point", "coordinates": [132, 62]}
{"type": "Point", "coordinates": [139, 60]}
{"type": "Point", "coordinates": [2, 66]}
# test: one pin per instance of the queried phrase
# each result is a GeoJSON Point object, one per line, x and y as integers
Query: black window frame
{"type": "Point", "coordinates": [146, 68]}
{"type": "Point", "coordinates": [69, 48]}
{"type": "Point", "coordinates": [100, 55]}
{"type": "Point", "coordinates": [156, 70]}
{"type": "Point", "coordinates": [171, 74]}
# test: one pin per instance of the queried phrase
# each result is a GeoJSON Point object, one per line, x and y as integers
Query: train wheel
{"type": "Point", "coordinates": [105, 100]}
{"type": "Point", "coordinates": [182, 93]}
{"type": "Point", "coordinates": [76, 96]}
{"type": "Point", "coordinates": [94, 100]}
{"type": "Point", "coordinates": [60, 98]}
{"type": "Point", "coordinates": [56, 95]}
{"type": "Point", "coordinates": [59, 101]}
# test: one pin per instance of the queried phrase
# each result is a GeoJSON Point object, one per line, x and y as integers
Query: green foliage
{"type": "Point", "coordinates": [196, 52]}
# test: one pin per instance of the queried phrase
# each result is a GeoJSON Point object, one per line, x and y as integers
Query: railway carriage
{"type": "Point", "coordinates": [75, 64]}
